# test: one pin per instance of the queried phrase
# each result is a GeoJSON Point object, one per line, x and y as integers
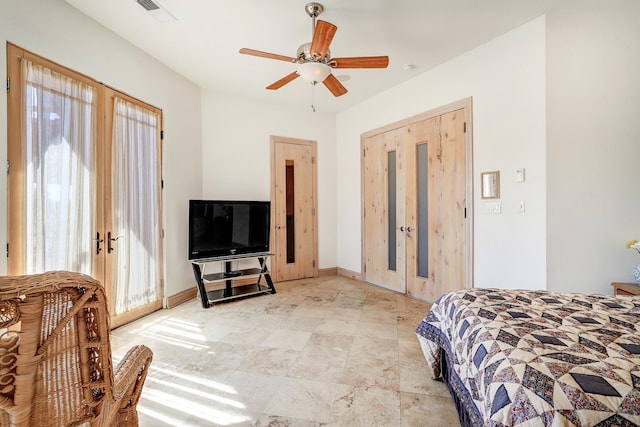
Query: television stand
{"type": "Point", "coordinates": [230, 292]}
{"type": "Point", "coordinates": [232, 273]}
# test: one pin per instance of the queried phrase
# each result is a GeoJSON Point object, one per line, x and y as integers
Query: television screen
{"type": "Point", "coordinates": [223, 227]}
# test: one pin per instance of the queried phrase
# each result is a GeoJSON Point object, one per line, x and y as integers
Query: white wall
{"type": "Point", "coordinates": [55, 30]}
{"type": "Point", "coordinates": [236, 154]}
{"type": "Point", "coordinates": [506, 79]}
{"type": "Point", "coordinates": [558, 96]}
{"type": "Point", "coordinates": [593, 148]}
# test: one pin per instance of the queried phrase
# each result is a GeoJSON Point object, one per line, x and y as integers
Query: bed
{"type": "Point", "coordinates": [536, 358]}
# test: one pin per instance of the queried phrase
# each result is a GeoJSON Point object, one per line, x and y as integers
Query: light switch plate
{"type": "Point", "coordinates": [521, 206]}
{"type": "Point", "coordinates": [493, 207]}
{"type": "Point", "coordinates": [520, 175]}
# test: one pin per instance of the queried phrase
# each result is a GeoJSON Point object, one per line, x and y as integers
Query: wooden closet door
{"type": "Point", "coordinates": [425, 249]}
{"type": "Point", "coordinates": [384, 216]}
{"type": "Point", "coordinates": [436, 206]}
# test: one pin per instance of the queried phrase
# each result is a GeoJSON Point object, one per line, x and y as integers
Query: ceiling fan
{"type": "Point", "coordinates": [315, 58]}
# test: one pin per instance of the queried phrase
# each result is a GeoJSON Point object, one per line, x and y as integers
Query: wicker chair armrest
{"type": "Point", "coordinates": [130, 374]}
{"type": "Point", "coordinates": [6, 405]}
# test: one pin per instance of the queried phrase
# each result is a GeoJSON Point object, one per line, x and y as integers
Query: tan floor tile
{"type": "Point", "coordinates": [377, 330]}
{"type": "Point", "coordinates": [302, 399]}
{"type": "Point", "coordinates": [386, 305]}
{"type": "Point", "coordinates": [326, 367]}
{"type": "Point", "coordinates": [369, 372]}
{"type": "Point", "coordinates": [420, 410]}
{"type": "Point", "coordinates": [327, 351]}
{"type": "Point", "coordinates": [411, 352]}
{"type": "Point", "coordinates": [311, 312]}
{"type": "Point", "coordinates": [348, 300]}
{"type": "Point", "coordinates": [366, 406]}
{"type": "Point", "coordinates": [416, 379]}
{"type": "Point", "coordinates": [271, 361]}
{"type": "Point", "coordinates": [379, 348]}
{"type": "Point", "coordinates": [307, 324]}
{"type": "Point", "coordinates": [336, 327]}
{"type": "Point", "coordinates": [287, 339]}
{"type": "Point", "coordinates": [248, 336]}
{"type": "Point", "coordinates": [278, 421]}
{"type": "Point", "coordinates": [324, 344]}
{"type": "Point", "coordinates": [379, 316]}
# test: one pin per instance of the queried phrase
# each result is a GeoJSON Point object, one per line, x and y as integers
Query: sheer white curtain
{"type": "Point", "coordinates": [136, 206]}
{"type": "Point", "coordinates": [60, 171]}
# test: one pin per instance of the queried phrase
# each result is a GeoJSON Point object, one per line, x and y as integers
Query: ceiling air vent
{"type": "Point", "coordinates": [148, 4]}
{"type": "Point", "coordinates": [155, 9]}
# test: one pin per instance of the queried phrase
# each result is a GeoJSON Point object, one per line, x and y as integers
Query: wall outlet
{"type": "Point", "coordinates": [521, 206]}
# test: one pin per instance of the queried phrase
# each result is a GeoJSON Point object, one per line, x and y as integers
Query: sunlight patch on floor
{"type": "Point", "coordinates": [169, 420]}
{"type": "Point", "coordinates": [179, 332]}
{"type": "Point", "coordinates": [197, 380]}
{"type": "Point", "coordinates": [180, 389]}
{"type": "Point", "coordinates": [153, 397]}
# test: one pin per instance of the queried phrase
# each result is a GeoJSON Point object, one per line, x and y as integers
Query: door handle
{"type": "Point", "coordinates": [109, 240]}
{"type": "Point", "coordinates": [98, 241]}
{"type": "Point", "coordinates": [402, 228]}
{"type": "Point", "coordinates": [409, 229]}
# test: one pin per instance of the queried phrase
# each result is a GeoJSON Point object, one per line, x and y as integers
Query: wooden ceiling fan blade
{"type": "Point", "coordinates": [334, 85]}
{"type": "Point", "coordinates": [322, 37]}
{"type": "Point", "coordinates": [283, 81]}
{"type": "Point", "coordinates": [268, 55]}
{"type": "Point", "coordinates": [360, 62]}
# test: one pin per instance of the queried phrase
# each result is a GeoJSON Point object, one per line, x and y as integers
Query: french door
{"type": "Point", "coordinates": [293, 206]}
{"type": "Point", "coordinates": [84, 183]}
{"type": "Point", "coordinates": [415, 227]}
{"type": "Point", "coordinates": [132, 206]}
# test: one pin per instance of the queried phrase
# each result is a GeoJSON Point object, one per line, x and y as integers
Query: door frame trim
{"type": "Point", "coordinates": [273, 139]}
{"type": "Point", "coordinates": [467, 105]}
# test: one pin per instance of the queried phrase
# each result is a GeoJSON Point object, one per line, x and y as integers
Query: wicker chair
{"type": "Point", "coordinates": [55, 356]}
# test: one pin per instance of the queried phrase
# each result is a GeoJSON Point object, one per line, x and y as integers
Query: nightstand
{"type": "Point", "coordinates": [625, 288]}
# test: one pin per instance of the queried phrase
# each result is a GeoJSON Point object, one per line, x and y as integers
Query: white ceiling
{"type": "Point", "coordinates": [203, 43]}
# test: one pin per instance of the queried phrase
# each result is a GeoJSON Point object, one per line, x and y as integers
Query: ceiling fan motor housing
{"type": "Point", "coordinates": [304, 55]}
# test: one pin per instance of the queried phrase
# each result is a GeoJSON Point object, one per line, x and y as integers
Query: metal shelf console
{"type": "Point", "coordinates": [229, 292]}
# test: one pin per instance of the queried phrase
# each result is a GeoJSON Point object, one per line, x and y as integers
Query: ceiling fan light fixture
{"type": "Point", "coordinates": [314, 72]}
{"type": "Point", "coordinates": [315, 58]}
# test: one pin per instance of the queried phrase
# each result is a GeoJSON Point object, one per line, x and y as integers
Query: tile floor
{"type": "Point", "coordinates": [329, 351]}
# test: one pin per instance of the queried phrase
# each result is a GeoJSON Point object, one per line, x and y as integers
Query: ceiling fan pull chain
{"type": "Point", "coordinates": [313, 87]}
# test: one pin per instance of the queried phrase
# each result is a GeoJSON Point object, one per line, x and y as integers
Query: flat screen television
{"type": "Point", "coordinates": [225, 227]}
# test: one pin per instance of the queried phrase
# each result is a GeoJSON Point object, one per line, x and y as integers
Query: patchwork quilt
{"type": "Point", "coordinates": [536, 358]}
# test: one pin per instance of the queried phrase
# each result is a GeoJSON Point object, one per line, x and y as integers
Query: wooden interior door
{"type": "Point", "coordinates": [293, 200]}
{"type": "Point", "coordinates": [384, 216]}
{"type": "Point", "coordinates": [436, 205]}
